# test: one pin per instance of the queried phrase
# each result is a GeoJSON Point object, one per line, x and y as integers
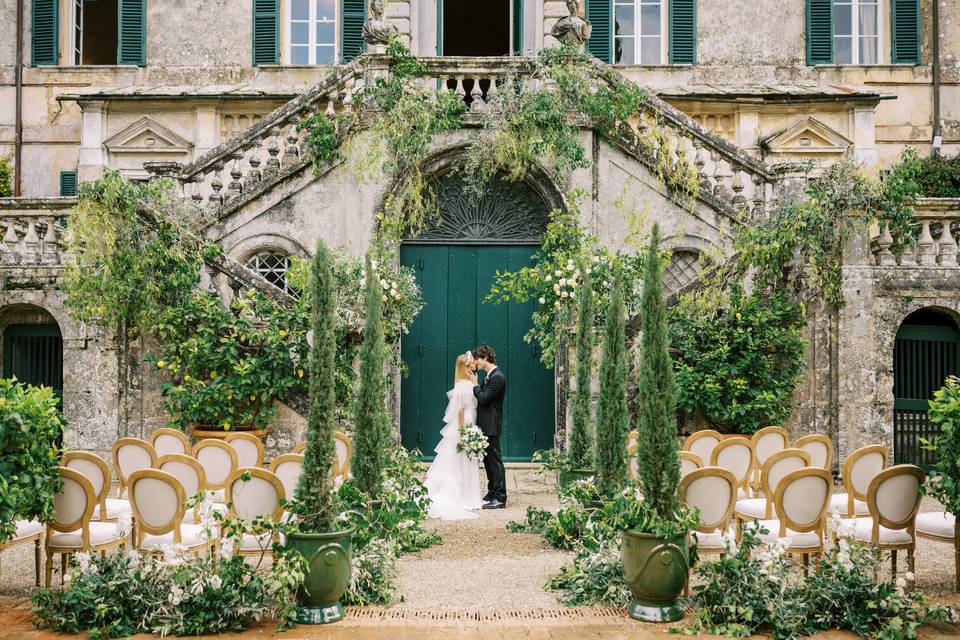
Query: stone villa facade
{"type": "Point", "coordinates": [210, 94]}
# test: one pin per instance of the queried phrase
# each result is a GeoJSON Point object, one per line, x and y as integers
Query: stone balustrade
{"type": "Point", "coordinates": [32, 231]}
{"type": "Point", "coordinates": [476, 80]}
{"type": "Point", "coordinates": [931, 243]}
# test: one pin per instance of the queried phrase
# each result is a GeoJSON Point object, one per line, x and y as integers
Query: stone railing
{"type": "Point", "coordinates": [32, 231]}
{"type": "Point", "coordinates": [935, 242]}
{"type": "Point", "coordinates": [475, 80]}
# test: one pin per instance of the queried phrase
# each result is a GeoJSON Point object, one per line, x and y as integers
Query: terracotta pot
{"type": "Point", "coordinates": [202, 432]}
{"type": "Point", "coordinates": [328, 574]}
{"type": "Point", "coordinates": [656, 570]}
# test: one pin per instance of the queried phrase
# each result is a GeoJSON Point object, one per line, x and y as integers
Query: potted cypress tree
{"type": "Point", "coordinates": [612, 418]}
{"type": "Point", "coordinates": [325, 548]}
{"type": "Point", "coordinates": [371, 424]}
{"type": "Point", "coordinates": [654, 553]}
{"type": "Point", "coordinates": [580, 444]}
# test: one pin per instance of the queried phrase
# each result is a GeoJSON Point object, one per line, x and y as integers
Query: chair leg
{"type": "Point", "coordinates": [36, 561]}
{"type": "Point", "coordinates": [48, 577]}
{"type": "Point", "coordinates": [910, 568]}
{"type": "Point", "coordinates": [63, 567]}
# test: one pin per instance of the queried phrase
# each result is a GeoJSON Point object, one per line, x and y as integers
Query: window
{"type": "Point", "coordinates": [311, 31]}
{"type": "Point", "coordinates": [94, 32]}
{"type": "Point", "coordinates": [272, 266]}
{"type": "Point", "coordinates": [638, 28]}
{"type": "Point", "coordinates": [856, 31]}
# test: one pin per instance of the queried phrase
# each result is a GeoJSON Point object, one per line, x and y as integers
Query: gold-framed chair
{"type": "Point", "coordinates": [859, 469]}
{"type": "Point", "coordinates": [129, 455]}
{"type": "Point", "coordinates": [97, 472]}
{"type": "Point", "coordinates": [633, 471]}
{"type": "Point", "coordinates": [702, 443]}
{"type": "Point", "coordinates": [713, 490]}
{"type": "Point", "coordinates": [288, 468]}
{"type": "Point", "coordinates": [893, 499]}
{"type": "Point", "coordinates": [26, 531]}
{"type": "Point", "coordinates": [800, 503]}
{"type": "Point", "coordinates": [941, 526]}
{"type": "Point", "coordinates": [219, 460]}
{"type": "Point", "coordinates": [192, 477]}
{"type": "Point", "coordinates": [736, 455]}
{"type": "Point", "coordinates": [71, 530]}
{"type": "Point", "coordinates": [159, 501]}
{"type": "Point", "coordinates": [344, 447]}
{"type": "Point", "coordinates": [819, 447]}
{"type": "Point", "coordinates": [250, 449]}
{"type": "Point", "coordinates": [254, 492]}
{"type": "Point", "coordinates": [689, 461]}
{"type": "Point", "coordinates": [765, 443]}
{"type": "Point", "coordinates": [300, 448]}
{"type": "Point", "coordinates": [632, 437]}
{"type": "Point", "coordinates": [166, 441]}
{"type": "Point", "coordinates": [775, 469]}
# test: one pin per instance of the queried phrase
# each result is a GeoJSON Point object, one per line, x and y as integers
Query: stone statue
{"type": "Point", "coordinates": [572, 29]}
{"type": "Point", "coordinates": [377, 30]}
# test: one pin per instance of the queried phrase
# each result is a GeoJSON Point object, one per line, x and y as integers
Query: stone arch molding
{"type": "Point", "coordinates": [249, 246]}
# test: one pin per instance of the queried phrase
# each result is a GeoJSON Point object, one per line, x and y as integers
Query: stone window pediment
{"type": "Point", "coordinates": [809, 136]}
{"type": "Point", "coordinates": [147, 136]}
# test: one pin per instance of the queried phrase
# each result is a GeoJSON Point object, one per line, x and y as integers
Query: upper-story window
{"type": "Point", "coordinates": [638, 31]}
{"type": "Point", "coordinates": [95, 32]}
{"type": "Point", "coordinates": [311, 31]}
{"type": "Point", "coordinates": [856, 31]}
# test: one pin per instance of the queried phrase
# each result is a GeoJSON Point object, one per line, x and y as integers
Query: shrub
{"type": "Point", "coordinates": [31, 428]}
{"type": "Point", "coordinates": [580, 446]}
{"type": "Point", "coordinates": [612, 418]}
{"type": "Point", "coordinates": [6, 176]}
{"type": "Point", "coordinates": [929, 177]}
{"type": "Point", "coordinates": [944, 482]}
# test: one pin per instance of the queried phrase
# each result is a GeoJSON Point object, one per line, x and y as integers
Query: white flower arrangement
{"type": "Point", "coordinates": [472, 442]}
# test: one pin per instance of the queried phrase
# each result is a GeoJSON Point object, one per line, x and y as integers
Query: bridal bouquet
{"type": "Point", "coordinates": [472, 442]}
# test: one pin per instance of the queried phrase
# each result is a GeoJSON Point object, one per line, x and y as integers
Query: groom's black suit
{"type": "Point", "coordinates": [490, 420]}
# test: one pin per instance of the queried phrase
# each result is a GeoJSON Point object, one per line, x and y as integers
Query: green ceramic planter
{"type": "Point", "coordinates": [656, 570]}
{"type": "Point", "coordinates": [566, 478]}
{"type": "Point", "coordinates": [328, 574]}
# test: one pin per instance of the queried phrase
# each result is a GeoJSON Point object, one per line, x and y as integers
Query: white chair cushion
{"type": "Point", "coordinates": [191, 535]}
{"type": "Point", "coordinates": [26, 528]}
{"type": "Point", "coordinates": [189, 518]}
{"type": "Point", "coordinates": [220, 495]}
{"type": "Point", "coordinates": [744, 493]}
{"type": "Point", "coordinates": [863, 531]}
{"type": "Point", "coordinates": [839, 503]}
{"type": "Point", "coordinates": [808, 540]}
{"type": "Point", "coordinates": [712, 541]}
{"type": "Point", "coordinates": [937, 523]}
{"type": "Point", "coordinates": [262, 542]}
{"type": "Point", "coordinates": [115, 507]}
{"type": "Point", "coordinates": [100, 533]}
{"type": "Point", "coordinates": [751, 508]}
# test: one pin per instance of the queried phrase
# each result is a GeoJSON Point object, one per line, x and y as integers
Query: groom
{"type": "Point", "coordinates": [490, 420]}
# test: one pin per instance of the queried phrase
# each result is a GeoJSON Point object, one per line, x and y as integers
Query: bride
{"type": "Point", "coordinates": [453, 480]}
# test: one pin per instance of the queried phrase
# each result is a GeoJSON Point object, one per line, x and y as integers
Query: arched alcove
{"type": "Point", "coordinates": [32, 347]}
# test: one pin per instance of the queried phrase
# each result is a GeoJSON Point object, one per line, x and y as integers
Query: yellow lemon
{"type": "Point", "coordinates": [252, 398]}
{"type": "Point", "coordinates": [229, 396]}
{"type": "Point", "coordinates": [186, 378]}
{"type": "Point", "coordinates": [213, 375]}
{"type": "Point", "coordinates": [160, 364]}
{"type": "Point", "coordinates": [299, 373]}
{"type": "Point", "coordinates": [283, 334]}
{"type": "Point", "coordinates": [226, 426]}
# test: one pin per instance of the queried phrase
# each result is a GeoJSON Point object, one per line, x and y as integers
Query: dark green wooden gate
{"type": "Point", "coordinates": [923, 357]}
{"type": "Point", "coordinates": [454, 280]}
{"type": "Point", "coordinates": [33, 354]}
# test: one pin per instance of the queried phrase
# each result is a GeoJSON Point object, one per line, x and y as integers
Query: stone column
{"type": "Point", "coordinates": [748, 129]}
{"type": "Point", "coordinates": [864, 135]}
{"type": "Point", "coordinates": [206, 132]}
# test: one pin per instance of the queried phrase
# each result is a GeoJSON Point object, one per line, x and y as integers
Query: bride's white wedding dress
{"type": "Point", "coordinates": [453, 480]}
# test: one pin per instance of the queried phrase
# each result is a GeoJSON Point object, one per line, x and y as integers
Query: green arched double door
{"type": "Point", "coordinates": [456, 261]}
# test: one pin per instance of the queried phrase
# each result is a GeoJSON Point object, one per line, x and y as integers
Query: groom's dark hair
{"type": "Point", "coordinates": [486, 352]}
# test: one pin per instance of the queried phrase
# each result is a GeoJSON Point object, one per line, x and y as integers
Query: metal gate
{"type": "Point", "coordinates": [923, 357]}
{"type": "Point", "coordinates": [33, 354]}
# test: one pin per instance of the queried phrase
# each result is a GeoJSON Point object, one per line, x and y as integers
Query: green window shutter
{"type": "Point", "coordinates": [819, 32]}
{"type": "Point", "coordinates": [68, 183]}
{"type": "Point", "coordinates": [132, 40]}
{"type": "Point", "coordinates": [353, 13]}
{"type": "Point", "coordinates": [683, 31]}
{"type": "Point", "coordinates": [266, 32]}
{"type": "Point", "coordinates": [906, 31]}
{"type": "Point", "coordinates": [600, 15]}
{"type": "Point", "coordinates": [518, 27]}
{"type": "Point", "coordinates": [45, 31]}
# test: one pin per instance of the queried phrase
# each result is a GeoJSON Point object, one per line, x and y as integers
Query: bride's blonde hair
{"type": "Point", "coordinates": [460, 372]}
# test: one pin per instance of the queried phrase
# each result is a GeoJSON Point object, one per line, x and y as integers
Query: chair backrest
{"type": "Point", "coordinates": [166, 441]}
{"type": "Point", "coordinates": [713, 490]}
{"type": "Point", "coordinates": [219, 460]}
{"type": "Point", "coordinates": [250, 450]}
{"type": "Point", "coordinates": [632, 437]}
{"type": "Point", "coordinates": [300, 448]}
{"type": "Point", "coordinates": [257, 495]}
{"type": "Point", "coordinates": [894, 496]}
{"type": "Point", "coordinates": [344, 447]}
{"type": "Point", "coordinates": [689, 461]}
{"type": "Point", "coordinates": [187, 470]}
{"type": "Point", "coordinates": [861, 467]}
{"type": "Point", "coordinates": [632, 469]}
{"type": "Point", "coordinates": [129, 455]}
{"type": "Point", "coordinates": [97, 472]}
{"type": "Point", "coordinates": [779, 465]}
{"type": "Point", "coordinates": [74, 504]}
{"type": "Point", "coordinates": [158, 502]}
{"type": "Point", "coordinates": [288, 468]}
{"type": "Point", "coordinates": [736, 455]}
{"type": "Point", "coordinates": [702, 443]}
{"type": "Point", "coordinates": [802, 499]}
{"type": "Point", "coordinates": [768, 441]}
{"type": "Point", "coordinates": [820, 448]}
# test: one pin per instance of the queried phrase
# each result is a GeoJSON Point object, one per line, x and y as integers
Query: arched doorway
{"type": "Point", "coordinates": [456, 261]}
{"type": "Point", "coordinates": [32, 347]}
{"type": "Point", "coordinates": [926, 351]}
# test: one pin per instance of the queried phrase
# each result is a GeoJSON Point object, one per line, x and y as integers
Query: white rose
{"type": "Point", "coordinates": [573, 285]}
{"type": "Point", "coordinates": [556, 288]}
{"type": "Point", "coordinates": [548, 278]}
{"type": "Point", "coordinates": [596, 259]}
{"type": "Point", "coordinates": [557, 304]}
{"type": "Point", "coordinates": [564, 294]}
{"type": "Point", "coordinates": [542, 300]}
{"type": "Point", "coordinates": [563, 282]}
{"type": "Point", "coordinates": [573, 296]}
{"type": "Point", "coordinates": [558, 273]}
{"type": "Point", "coordinates": [384, 283]}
